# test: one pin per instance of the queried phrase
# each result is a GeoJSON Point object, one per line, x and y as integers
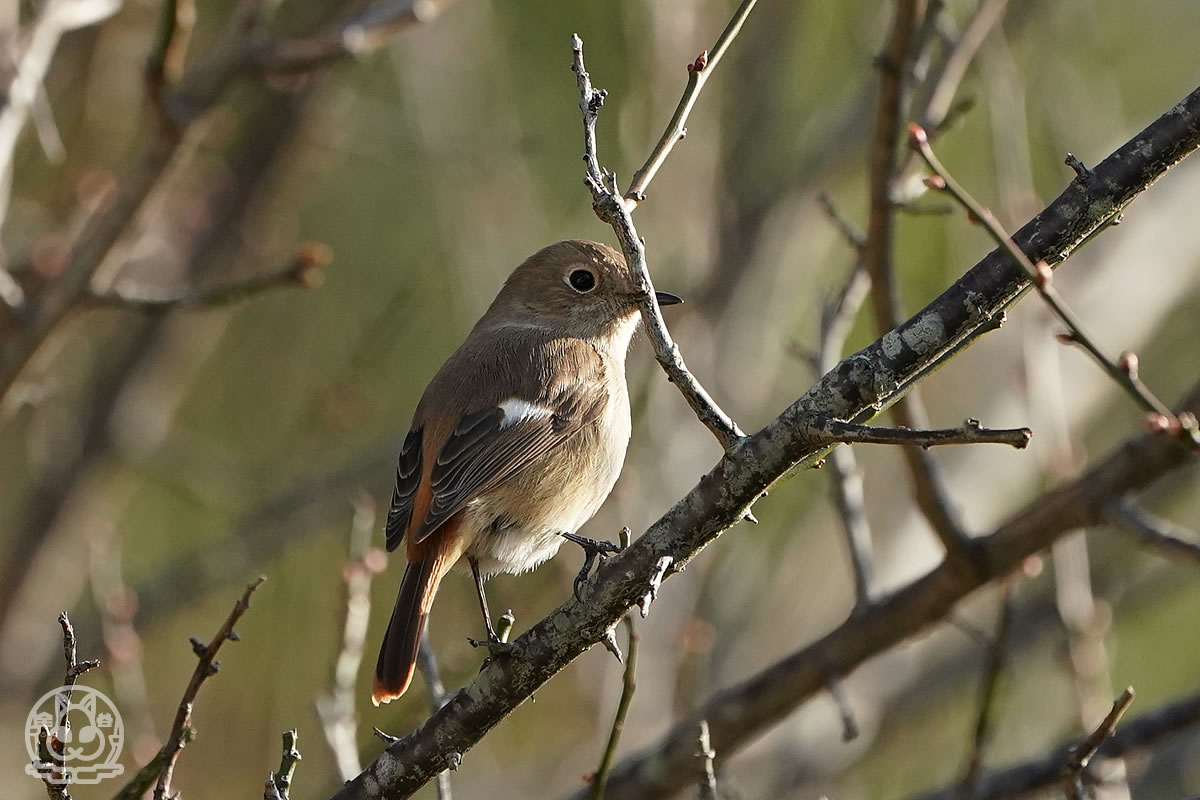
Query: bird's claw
{"type": "Point", "coordinates": [592, 549]}
{"type": "Point", "coordinates": [495, 647]}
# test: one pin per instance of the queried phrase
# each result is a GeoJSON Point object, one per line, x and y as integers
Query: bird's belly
{"type": "Point", "coordinates": [519, 523]}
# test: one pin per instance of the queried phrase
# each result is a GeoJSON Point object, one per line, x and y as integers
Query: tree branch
{"type": "Point", "coordinates": [742, 712]}
{"type": "Point", "coordinates": [1172, 540]}
{"type": "Point", "coordinates": [610, 207]}
{"type": "Point", "coordinates": [304, 270]}
{"type": "Point", "coordinates": [831, 431]}
{"type": "Point", "coordinates": [206, 667]}
{"type": "Point", "coordinates": [698, 73]}
{"type": "Point", "coordinates": [860, 385]}
{"type": "Point", "coordinates": [1123, 371]}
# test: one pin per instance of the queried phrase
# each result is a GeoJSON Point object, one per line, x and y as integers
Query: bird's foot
{"type": "Point", "coordinates": [497, 648]}
{"type": "Point", "coordinates": [592, 549]}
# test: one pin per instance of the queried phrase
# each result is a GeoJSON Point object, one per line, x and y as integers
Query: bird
{"type": "Point", "coordinates": [516, 441]}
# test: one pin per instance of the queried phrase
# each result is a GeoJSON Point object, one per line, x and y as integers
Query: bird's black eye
{"type": "Point", "coordinates": [582, 280]}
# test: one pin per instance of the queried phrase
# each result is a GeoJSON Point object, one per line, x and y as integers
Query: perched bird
{"type": "Point", "coordinates": [517, 440]}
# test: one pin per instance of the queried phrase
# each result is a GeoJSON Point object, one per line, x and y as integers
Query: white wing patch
{"type": "Point", "coordinates": [517, 410]}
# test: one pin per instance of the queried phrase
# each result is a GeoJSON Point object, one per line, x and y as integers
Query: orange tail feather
{"type": "Point", "coordinates": [398, 654]}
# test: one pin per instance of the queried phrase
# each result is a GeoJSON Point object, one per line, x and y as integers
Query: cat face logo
{"type": "Point", "coordinates": [74, 735]}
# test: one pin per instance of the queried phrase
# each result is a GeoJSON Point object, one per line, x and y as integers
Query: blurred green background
{"type": "Point", "coordinates": [153, 465]}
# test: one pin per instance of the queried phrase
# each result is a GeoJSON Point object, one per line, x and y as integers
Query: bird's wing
{"type": "Point", "coordinates": [540, 399]}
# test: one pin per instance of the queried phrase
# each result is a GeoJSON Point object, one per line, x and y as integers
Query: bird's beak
{"type": "Point", "coordinates": [667, 299]}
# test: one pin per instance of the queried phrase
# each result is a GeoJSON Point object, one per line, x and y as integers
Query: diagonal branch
{"type": "Point", "coordinates": [698, 73]}
{"type": "Point", "coordinates": [1123, 371]}
{"type": "Point", "coordinates": [304, 270]}
{"type": "Point", "coordinates": [616, 211]}
{"type": "Point", "coordinates": [1167, 537]}
{"type": "Point", "coordinates": [741, 713]}
{"type": "Point", "coordinates": [206, 667]}
{"type": "Point", "coordinates": [1044, 772]}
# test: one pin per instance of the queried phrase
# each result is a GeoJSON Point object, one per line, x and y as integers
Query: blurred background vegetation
{"type": "Point", "coordinates": [153, 463]}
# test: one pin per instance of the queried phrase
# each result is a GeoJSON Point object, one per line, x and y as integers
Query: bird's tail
{"type": "Point", "coordinates": [398, 654]}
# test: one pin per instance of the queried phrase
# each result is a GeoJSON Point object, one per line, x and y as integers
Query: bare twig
{"type": "Point", "coordinates": [628, 687]}
{"type": "Point", "coordinates": [841, 698]}
{"type": "Point", "coordinates": [997, 653]}
{"type": "Point", "coordinates": [830, 431]}
{"type": "Point", "coordinates": [851, 503]}
{"type": "Point", "coordinates": [428, 665]}
{"type": "Point", "coordinates": [19, 97]}
{"type": "Point", "coordinates": [610, 207]}
{"type": "Point", "coordinates": [939, 107]}
{"type": "Point", "coordinates": [889, 114]}
{"type": "Point", "coordinates": [367, 30]}
{"type": "Point", "coordinates": [1124, 370]}
{"type": "Point", "coordinates": [706, 754]}
{"type": "Point", "coordinates": [51, 765]}
{"type": "Point", "coordinates": [336, 709]}
{"type": "Point", "coordinates": [207, 666]}
{"type": "Point", "coordinates": [305, 270]}
{"type": "Point", "coordinates": [837, 318]}
{"type": "Point", "coordinates": [853, 236]}
{"type": "Point", "coordinates": [877, 257]}
{"type": "Point", "coordinates": [698, 73]}
{"type": "Point", "coordinates": [1081, 755]}
{"type": "Point", "coordinates": [279, 784]}
{"type": "Point", "coordinates": [143, 779]}
{"type": "Point", "coordinates": [1126, 515]}
{"type": "Point", "coordinates": [1045, 772]}
{"type": "Point", "coordinates": [164, 62]}
{"type": "Point", "coordinates": [242, 50]}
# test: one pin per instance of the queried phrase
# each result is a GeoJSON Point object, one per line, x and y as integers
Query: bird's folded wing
{"type": "Point", "coordinates": [491, 444]}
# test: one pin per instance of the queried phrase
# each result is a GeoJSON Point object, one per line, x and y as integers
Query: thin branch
{"type": "Point", "coordinates": [242, 50]}
{"type": "Point", "coordinates": [206, 667]}
{"type": "Point", "coordinates": [971, 432]}
{"type": "Point", "coordinates": [841, 698]}
{"type": "Point", "coordinates": [698, 73]}
{"type": "Point", "coordinates": [628, 687]}
{"type": "Point", "coordinates": [889, 117]}
{"type": "Point", "coordinates": [877, 257]}
{"type": "Point", "coordinates": [1046, 772]}
{"type": "Point", "coordinates": [336, 709]}
{"type": "Point", "coordinates": [41, 38]}
{"type": "Point", "coordinates": [51, 763]}
{"type": "Point", "coordinates": [610, 207]}
{"type": "Point", "coordinates": [1167, 537]}
{"type": "Point", "coordinates": [837, 318]}
{"type": "Point", "coordinates": [939, 107]}
{"type": "Point", "coordinates": [706, 754]}
{"type": "Point", "coordinates": [1082, 754]}
{"type": "Point", "coordinates": [997, 652]}
{"type": "Point", "coordinates": [366, 31]}
{"type": "Point", "coordinates": [1123, 371]}
{"type": "Point", "coordinates": [428, 665]}
{"type": "Point", "coordinates": [305, 270]}
{"type": "Point", "coordinates": [164, 62]}
{"type": "Point", "coordinates": [279, 784]}
{"type": "Point", "coordinates": [853, 236]}
{"type": "Point", "coordinates": [851, 503]}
